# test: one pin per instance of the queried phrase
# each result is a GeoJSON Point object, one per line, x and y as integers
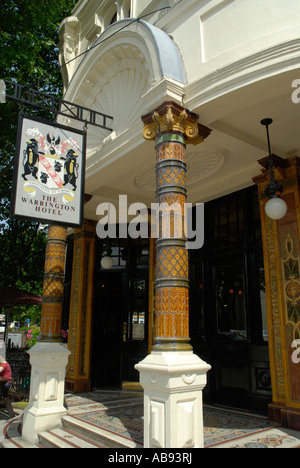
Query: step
{"type": "Point", "coordinates": [74, 433]}
{"type": "Point", "coordinates": [97, 435]}
{"type": "Point", "coordinates": [13, 437]}
{"type": "Point", "coordinates": [17, 442]}
{"type": "Point", "coordinates": [62, 438]}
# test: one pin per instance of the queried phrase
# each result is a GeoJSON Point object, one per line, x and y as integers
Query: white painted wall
{"type": "Point", "coordinates": [218, 32]}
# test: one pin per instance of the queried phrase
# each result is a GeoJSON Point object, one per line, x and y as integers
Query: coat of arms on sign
{"type": "Point", "coordinates": [49, 172]}
{"type": "Point", "coordinates": [50, 163]}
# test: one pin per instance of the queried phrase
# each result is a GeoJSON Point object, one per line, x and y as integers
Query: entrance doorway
{"type": "Point", "coordinates": [135, 323]}
{"type": "Point", "coordinates": [120, 327]}
{"type": "Point", "coordinates": [107, 331]}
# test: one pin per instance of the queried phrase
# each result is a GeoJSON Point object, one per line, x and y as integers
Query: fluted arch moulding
{"type": "Point", "coordinates": [132, 58]}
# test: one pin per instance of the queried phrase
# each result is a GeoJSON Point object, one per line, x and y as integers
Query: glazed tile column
{"type": "Point", "coordinates": [172, 376]}
{"type": "Point", "coordinates": [172, 128]}
{"type": "Point", "coordinates": [49, 356]}
{"type": "Point", "coordinates": [53, 286]}
{"type": "Point", "coordinates": [172, 269]}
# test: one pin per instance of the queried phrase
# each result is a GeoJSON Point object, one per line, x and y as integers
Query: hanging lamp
{"type": "Point", "coordinates": [275, 208]}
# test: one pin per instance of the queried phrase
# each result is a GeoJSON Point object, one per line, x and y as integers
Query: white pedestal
{"type": "Point", "coordinates": [173, 384]}
{"type": "Point", "coordinates": [46, 401]}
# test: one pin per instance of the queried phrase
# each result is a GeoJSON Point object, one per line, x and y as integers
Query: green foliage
{"type": "Point", "coordinates": [22, 313]}
{"type": "Point", "coordinates": [28, 38]}
{"type": "Point", "coordinates": [22, 248]}
{"type": "Point", "coordinates": [28, 55]}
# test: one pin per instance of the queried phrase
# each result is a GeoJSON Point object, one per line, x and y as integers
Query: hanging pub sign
{"type": "Point", "coordinates": [48, 182]}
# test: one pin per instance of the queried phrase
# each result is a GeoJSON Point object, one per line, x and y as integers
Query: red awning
{"type": "Point", "coordinates": [12, 295]}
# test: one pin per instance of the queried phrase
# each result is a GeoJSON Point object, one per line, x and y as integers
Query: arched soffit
{"type": "Point", "coordinates": [128, 59]}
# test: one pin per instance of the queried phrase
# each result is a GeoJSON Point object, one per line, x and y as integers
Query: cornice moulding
{"type": "Point", "coordinates": [255, 67]}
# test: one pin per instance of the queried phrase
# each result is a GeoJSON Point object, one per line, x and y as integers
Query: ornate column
{"type": "Point", "coordinates": [281, 244]}
{"type": "Point", "coordinates": [172, 128]}
{"type": "Point", "coordinates": [172, 376]}
{"type": "Point", "coordinates": [53, 286]}
{"type": "Point", "coordinates": [49, 357]}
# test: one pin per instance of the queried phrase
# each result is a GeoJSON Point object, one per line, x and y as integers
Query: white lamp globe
{"type": "Point", "coordinates": [276, 208]}
{"type": "Point", "coordinates": [107, 263]}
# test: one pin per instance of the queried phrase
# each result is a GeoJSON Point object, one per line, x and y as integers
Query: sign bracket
{"type": "Point", "coordinates": [32, 97]}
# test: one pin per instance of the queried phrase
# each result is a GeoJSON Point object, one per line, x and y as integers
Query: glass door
{"type": "Point", "coordinates": [135, 324]}
{"type": "Point", "coordinates": [106, 363]}
{"type": "Point", "coordinates": [230, 301]}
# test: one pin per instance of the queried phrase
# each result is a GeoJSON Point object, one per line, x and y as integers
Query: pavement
{"type": "Point", "coordinates": [4, 420]}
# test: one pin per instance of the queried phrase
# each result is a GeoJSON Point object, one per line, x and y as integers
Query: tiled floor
{"type": "Point", "coordinates": [120, 413]}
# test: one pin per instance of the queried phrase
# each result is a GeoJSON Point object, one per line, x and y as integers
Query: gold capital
{"type": "Point", "coordinates": [172, 118]}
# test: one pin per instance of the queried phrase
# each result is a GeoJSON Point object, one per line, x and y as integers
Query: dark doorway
{"type": "Point", "coordinates": [120, 338]}
{"type": "Point", "coordinates": [135, 323]}
{"type": "Point", "coordinates": [107, 331]}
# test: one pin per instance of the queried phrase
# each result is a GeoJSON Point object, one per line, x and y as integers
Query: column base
{"type": "Point", "coordinates": [178, 345]}
{"type": "Point", "coordinates": [287, 416]}
{"type": "Point", "coordinates": [37, 421]}
{"type": "Point", "coordinates": [50, 339]}
{"type": "Point", "coordinates": [78, 385]}
{"type": "Point", "coordinates": [46, 400]}
{"type": "Point", "coordinates": [173, 384]}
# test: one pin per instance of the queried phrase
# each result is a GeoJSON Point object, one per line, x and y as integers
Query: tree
{"type": "Point", "coordinates": [28, 38]}
{"type": "Point", "coordinates": [28, 56]}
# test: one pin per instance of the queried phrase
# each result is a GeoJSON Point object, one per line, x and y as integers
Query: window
{"type": "Point", "coordinates": [228, 284]}
{"type": "Point", "coordinates": [137, 310]}
{"type": "Point", "coordinates": [114, 18]}
{"type": "Point", "coordinates": [228, 223]}
{"type": "Point", "coordinates": [124, 252]}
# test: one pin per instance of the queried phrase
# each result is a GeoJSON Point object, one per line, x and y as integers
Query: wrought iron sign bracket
{"type": "Point", "coordinates": [31, 97]}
